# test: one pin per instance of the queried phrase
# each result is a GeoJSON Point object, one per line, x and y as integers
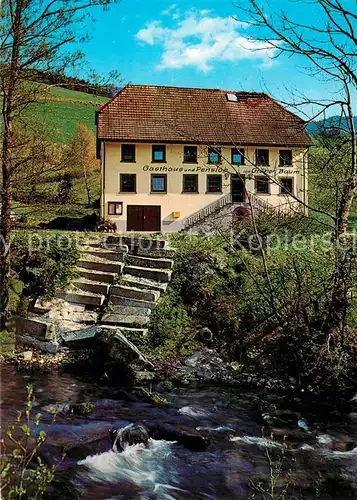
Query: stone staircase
{"type": "Point", "coordinates": [143, 280]}
{"type": "Point", "coordinates": [96, 271]}
{"type": "Point", "coordinates": [117, 284]}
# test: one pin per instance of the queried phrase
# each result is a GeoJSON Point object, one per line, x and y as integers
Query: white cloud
{"type": "Point", "coordinates": [199, 39]}
{"type": "Point", "coordinates": [168, 11]}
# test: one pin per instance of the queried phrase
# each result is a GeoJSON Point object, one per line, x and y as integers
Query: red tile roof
{"type": "Point", "coordinates": [145, 113]}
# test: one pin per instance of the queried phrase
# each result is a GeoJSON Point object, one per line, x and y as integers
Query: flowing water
{"type": "Point", "coordinates": [318, 446]}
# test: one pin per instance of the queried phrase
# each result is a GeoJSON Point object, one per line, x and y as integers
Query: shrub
{"type": "Point", "coordinates": [285, 316]}
{"type": "Point", "coordinates": [46, 269]}
{"type": "Point", "coordinates": [171, 333]}
{"type": "Point", "coordinates": [106, 226]}
{"type": "Point", "coordinates": [205, 278]}
{"type": "Point", "coordinates": [23, 473]}
{"type": "Point", "coordinates": [275, 319]}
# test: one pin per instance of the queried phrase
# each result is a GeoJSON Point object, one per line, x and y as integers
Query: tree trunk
{"type": "Point", "coordinates": [86, 182]}
{"type": "Point", "coordinates": [6, 157]}
{"type": "Point", "coordinates": [343, 249]}
{"type": "Point", "coordinates": [5, 241]}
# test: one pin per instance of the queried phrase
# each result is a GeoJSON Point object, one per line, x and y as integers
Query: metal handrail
{"type": "Point", "coordinates": [207, 210]}
{"type": "Point", "coordinates": [256, 203]}
{"type": "Point", "coordinates": [259, 204]}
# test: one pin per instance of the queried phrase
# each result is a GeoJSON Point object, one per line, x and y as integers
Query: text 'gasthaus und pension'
{"type": "Point", "coordinates": [217, 169]}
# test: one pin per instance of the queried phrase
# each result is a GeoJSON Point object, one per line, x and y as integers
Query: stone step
{"type": "Point", "coordinates": [125, 301]}
{"type": "Point", "coordinates": [124, 320]}
{"type": "Point", "coordinates": [165, 253]}
{"type": "Point", "coordinates": [132, 292]}
{"type": "Point", "coordinates": [91, 286]}
{"type": "Point", "coordinates": [134, 332]}
{"type": "Point", "coordinates": [104, 245]}
{"type": "Point", "coordinates": [127, 331]}
{"type": "Point", "coordinates": [101, 265]}
{"type": "Point", "coordinates": [43, 307]}
{"type": "Point", "coordinates": [149, 262]}
{"type": "Point", "coordinates": [82, 317]}
{"type": "Point", "coordinates": [97, 276]}
{"type": "Point", "coordinates": [130, 310]}
{"type": "Point", "coordinates": [160, 275]}
{"type": "Point", "coordinates": [136, 242]}
{"type": "Point", "coordinates": [81, 297]}
{"type": "Point", "coordinates": [142, 283]}
{"type": "Point", "coordinates": [34, 327]}
{"type": "Point", "coordinates": [103, 254]}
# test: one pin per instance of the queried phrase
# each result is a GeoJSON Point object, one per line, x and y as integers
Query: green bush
{"type": "Point", "coordinates": [272, 314]}
{"type": "Point", "coordinates": [285, 315]}
{"type": "Point", "coordinates": [42, 263]}
{"type": "Point", "coordinates": [22, 471]}
{"type": "Point", "coordinates": [171, 332]}
{"type": "Point", "coordinates": [205, 278]}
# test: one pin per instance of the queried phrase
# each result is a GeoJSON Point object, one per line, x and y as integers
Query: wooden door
{"type": "Point", "coordinates": [238, 188]}
{"type": "Point", "coordinates": [134, 218]}
{"type": "Point", "coordinates": [143, 218]}
{"type": "Point", "coordinates": [152, 218]}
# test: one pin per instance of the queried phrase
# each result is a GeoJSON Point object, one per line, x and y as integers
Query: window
{"type": "Point", "coordinates": [115, 208]}
{"type": "Point", "coordinates": [128, 152]}
{"type": "Point", "coordinates": [159, 153]}
{"type": "Point", "coordinates": [190, 183]}
{"type": "Point", "coordinates": [214, 155]}
{"type": "Point", "coordinates": [287, 185]}
{"type": "Point", "coordinates": [158, 183]}
{"type": "Point", "coordinates": [237, 156]}
{"type": "Point", "coordinates": [286, 157]}
{"type": "Point", "coordinates": [262, 156]}
{"type": "Point", "coordinates": [190, 154]}
{"type": "Point", "coordinates": [214, 183]}
{"type": "Point", "coordinates": [128, 183]}
{"type": "Point", "coordinates": [262, 185]}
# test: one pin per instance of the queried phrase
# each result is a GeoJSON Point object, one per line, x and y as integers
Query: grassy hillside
{"type": "Point", "coordinates": [59, 111]}
{"type": "Point", "coordinates": [63, 109]}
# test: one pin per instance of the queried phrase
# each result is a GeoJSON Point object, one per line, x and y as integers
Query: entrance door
{"type": "Point", "coordinates": [238, 188]}
{"type": "Point", "coordinates": [143, 218]}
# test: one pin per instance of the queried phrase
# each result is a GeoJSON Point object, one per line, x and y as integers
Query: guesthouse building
{"type": "Point", "coordinates": [171, 157]}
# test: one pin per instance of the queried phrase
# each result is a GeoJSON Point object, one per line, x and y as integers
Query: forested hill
{"type": "Point", "coordinates": [331, 123]}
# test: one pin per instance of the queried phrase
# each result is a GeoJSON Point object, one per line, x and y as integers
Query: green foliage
{"type": "Point", "coordinates": [83, 408]}
{"type": "Point", "coordinates": [285, 316]}
{"type": "Point", "coordinates": [296, 278]}
{"type": "Point", "coordinates": [273, 313]}
{"type": "Point", "coordinates": [286, 228]}
{"type": "Point", "coordinates": [64, 195]}
{"type": "Point", "coordinates": [205, 279]}
{"type": "Point", "coordinates": [7, 343]}
{"type": "Point", "coordinates": [15, 294]}
{"type": "Point", "coordinates": [170, 331]}
{"type": "Point", "coordinates": [43, 262]}
{"type": "Point", "coordinates": [329, 166]}
{"type": "Point", "coordinates": [21, 445]}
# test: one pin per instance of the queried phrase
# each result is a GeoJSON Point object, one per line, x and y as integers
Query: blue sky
{"type": "Point", "coordinates": [194, 44]}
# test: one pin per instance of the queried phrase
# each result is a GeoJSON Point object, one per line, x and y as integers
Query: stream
{"type": "Point", "coordinates": [318, 447]}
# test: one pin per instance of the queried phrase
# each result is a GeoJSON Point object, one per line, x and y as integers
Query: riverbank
{"type": "Point", "coordinates": [236, 427]}
{"type": "Point", "coordinates": [203, 368]}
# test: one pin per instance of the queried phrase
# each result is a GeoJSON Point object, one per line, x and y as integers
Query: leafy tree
{"type": "Point", "coordinates": [329, 50]}
{"type": "Point", "coordinates": [82, 158]}
{"type": "Point", "coordinates": [34, 35]}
